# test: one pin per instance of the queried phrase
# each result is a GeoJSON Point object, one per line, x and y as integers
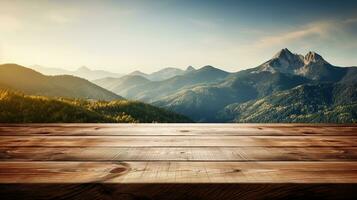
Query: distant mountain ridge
{"type": "Point", "coordinates": [83, 72]}
{"type": "Point", "coordinates": [163, 74]}
{"type": "Point", "coordinates": [94, 75]}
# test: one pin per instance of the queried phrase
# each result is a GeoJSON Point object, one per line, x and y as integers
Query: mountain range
{"type": "Point", "coordinates": [288, 87]}
{"type": "Point", "coordinates": [83, 72]}
{"type": "Point", "coordinates": [89, 74]}
{"type": "Point", "coordinates": [163, 74]}
{"type": "Point", "coordinates": [209, 94]}
{"type": "Point", "coordinates": [140, 88]}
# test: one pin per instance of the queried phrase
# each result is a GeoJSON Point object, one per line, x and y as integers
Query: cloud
{"type": "Point", "coordinates": [316, 29]}
{"type": "Point", "coordinates": [29, 14]}
{"type": "Point", "coordinates": [351, 20]}
{"type": "Point", "coordinates": [321, 29]}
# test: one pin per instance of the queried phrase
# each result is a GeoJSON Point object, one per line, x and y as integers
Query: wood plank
{"type": "Point", "coordinates": [178, 154]}
{"type": "Point", "coordinates": [155, 191]}
{"type": "Point", "coordinates": [174, 129]}
{"type": "Point", "coordinates": [171, 141]}
{"type": "Point", "coordinates": [178, 172]}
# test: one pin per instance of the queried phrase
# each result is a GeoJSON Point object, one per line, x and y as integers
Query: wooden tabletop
{"type": "Point", "coordinates": [300, 157]}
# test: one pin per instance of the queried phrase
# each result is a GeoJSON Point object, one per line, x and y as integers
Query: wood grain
{"type": "Point", "coordinates": [175, 129]}
{"type": "Point", "coordinates": [179, 154]}
{"type": "Point", "coordinates": [188, 141]}
{"type": "Point", "coordinates": [178, 161]}
{"type": "Point", "coordinates": [178, 172]}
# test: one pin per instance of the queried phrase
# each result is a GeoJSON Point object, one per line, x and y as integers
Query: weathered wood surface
{"type": "Point", "coordinates": [176, 129]}
{"type": "Point", "coordinates": [175, 141]}
{"type": "Point", "coordinates": [178, 172]}
{"type": "Point", "coordinates": [178, 161]}
{"type": "Point", "coordinates": [178, 154]}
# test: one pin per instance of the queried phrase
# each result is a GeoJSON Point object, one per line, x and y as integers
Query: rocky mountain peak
{"type": "Point", "coordinates": [284, 54]}
{"type": "Point", "coordinates": [190, 68]}
{"type": "Point", "coordinates": [313, 57]}
{"type": "Point", "coordinates": [284, 61]}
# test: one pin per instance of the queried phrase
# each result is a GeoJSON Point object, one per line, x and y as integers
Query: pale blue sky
{"type": "Point", "coordinates": [123, 36]}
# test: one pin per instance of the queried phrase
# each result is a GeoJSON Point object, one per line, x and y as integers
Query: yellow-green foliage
{"type": "Point", "coordinates": [17, 107]}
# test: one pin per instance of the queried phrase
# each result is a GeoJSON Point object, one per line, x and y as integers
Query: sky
{"type": "Point", "coordinates": [147, 35]}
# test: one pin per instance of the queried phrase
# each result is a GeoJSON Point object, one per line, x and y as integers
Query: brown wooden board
{"type": "Point", "coordinates": [175, 129]}
{"type": "Point", "coordinates": [178, 154]}
{"type": "Point", "coordinates": [178, 161]}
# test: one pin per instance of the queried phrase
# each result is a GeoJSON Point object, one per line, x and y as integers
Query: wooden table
{"type": "Point", "coordinates": [178, 161]}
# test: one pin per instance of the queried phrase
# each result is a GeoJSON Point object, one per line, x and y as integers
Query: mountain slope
{"type": "Point", "coordinates": [26, 80]}
{"type": "Point", "coordinates": [202, 103]}
{"type": "Point", "coordinates": [118, 84]}
{"type": "Point", "coordinates": [124, 86]}
{"type": "Point", "coordinates": [155, 90]}
{"type": "Point", "coordinates": [322, 103]}
{"type": "Point", "coordinates": [19, 108]}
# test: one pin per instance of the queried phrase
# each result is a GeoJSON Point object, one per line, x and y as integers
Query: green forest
{"type": "Point", "coordinates": [17, 107]}
{"type": "Point", "coordinates": [322, 103]}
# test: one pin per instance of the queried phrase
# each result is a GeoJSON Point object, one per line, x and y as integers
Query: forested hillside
{"type": "Point", "coordinates": [20, 108]}
{"type": "Point", "coordinates": [322, 103]}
